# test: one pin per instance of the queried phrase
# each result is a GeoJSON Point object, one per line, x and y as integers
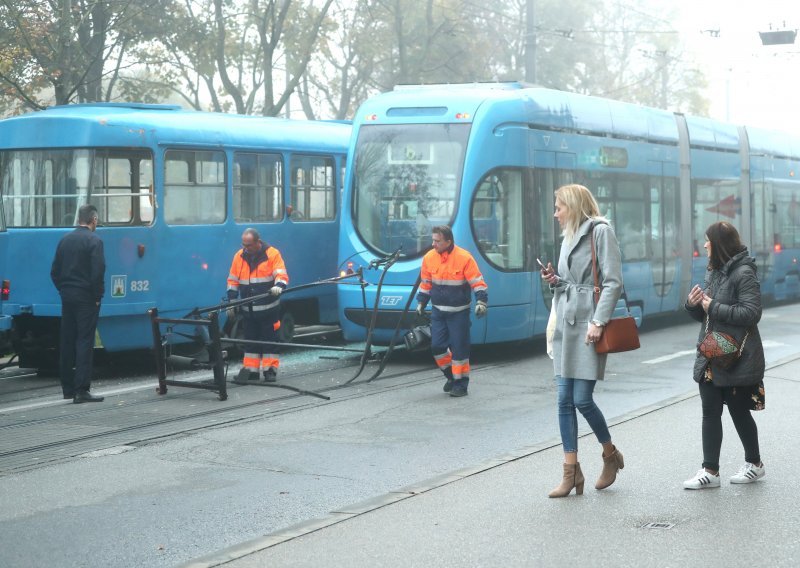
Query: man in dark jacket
{"type": "Point", "coordinates": [78, 273]}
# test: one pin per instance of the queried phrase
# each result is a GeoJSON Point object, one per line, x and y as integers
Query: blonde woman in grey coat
{"type": "Point", "coordinates": [579, 324]}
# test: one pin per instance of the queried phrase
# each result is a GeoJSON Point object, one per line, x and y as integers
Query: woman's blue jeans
{"type": "Point", "coordinates": [577, 393]}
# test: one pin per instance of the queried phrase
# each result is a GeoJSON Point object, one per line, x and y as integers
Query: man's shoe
{"type": "Point", "coordinates": [270, 376]}
{"type": "Point", "coordinates": [459, 387]}
{"type": "Point", "coordinates": [242, 376]}
{"type": "Point", "coordinates": [82, 397]}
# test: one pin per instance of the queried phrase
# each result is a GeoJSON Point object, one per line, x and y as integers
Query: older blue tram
{"type": "Point", "coordinates": [175, 189]}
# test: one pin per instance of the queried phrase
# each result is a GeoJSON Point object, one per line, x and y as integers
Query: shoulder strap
{"type": "Point", "coordinates": [594, 268]}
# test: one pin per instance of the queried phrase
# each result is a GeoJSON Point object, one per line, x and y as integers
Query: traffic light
{"type": "Point", "coordinates": [781, 37]}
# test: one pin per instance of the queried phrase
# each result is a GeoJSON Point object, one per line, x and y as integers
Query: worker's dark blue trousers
{"type": "Point", "coordinates": [450, 341]}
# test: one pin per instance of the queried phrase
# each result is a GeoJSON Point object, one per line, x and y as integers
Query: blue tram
{"type": "Point", "coordinates": [175, 189]}
{"type": "Point", "coordinates": [486, 160]}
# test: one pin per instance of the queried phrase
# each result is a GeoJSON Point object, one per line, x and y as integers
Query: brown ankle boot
{"type": "Point", "coordinates": [573, 477]}
{"type": "Point", "coordinates": [611, 465]}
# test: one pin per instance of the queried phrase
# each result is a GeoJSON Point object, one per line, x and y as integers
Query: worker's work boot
{"type": "Point", "coordinates": [459, 387]}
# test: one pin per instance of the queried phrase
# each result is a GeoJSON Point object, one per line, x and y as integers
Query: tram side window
{"type": "Point", "coordinates": [787, 213]}
{"type": "Point", "coordinates": [498, 218]}
{"type": "Point", "coordinates": [714, 200]}
{"type": "Point", "coordinates": [313, 188]}
{"type": "Point", "coordinates": [631, 228]}
{"type": "Point", "coordinates": [763, 215]}
{"type": "Point", "coordinates": [122, 188]}
{"type": "Point", "coordinates": [601, 187]}
{"type": "Point", "coordinates": [44, 188]}
{"type": "Point", "coordinates": [194, 187]}
{"type": "Point", "coordinates": [622, 199]}
{"type": "Point", "coordinates": [257, 188]}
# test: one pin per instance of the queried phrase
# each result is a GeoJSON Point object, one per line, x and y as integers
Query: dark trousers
{"type": "Point", "coordinates": [261, 327]}
{"type": "Point", "coordinates": [712, 399]}
{"type": "Point", "coordinates": [450, 341]}
{"type": "Point", "coordinates": [78, 325]}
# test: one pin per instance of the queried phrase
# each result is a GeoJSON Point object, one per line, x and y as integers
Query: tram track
{"type": "Point", "coordinates": [40, 449]}
{"type": "Point", "coordinates": [101, 409]}
{"type": "Point", "coordinates": [112, 372]}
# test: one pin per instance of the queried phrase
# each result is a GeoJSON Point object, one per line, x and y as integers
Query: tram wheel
{"type": "Point", "coordinates": [235, 331]}
{"type": "Point", "coordinates": [286, 331]}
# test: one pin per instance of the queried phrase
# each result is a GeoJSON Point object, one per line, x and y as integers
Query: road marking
{"type": "Point", "coordinates": [670, 357]}
{"type": "Point", "coordinates": [59, 400]}
{"type": "Point", "coordinates": [768, 343]}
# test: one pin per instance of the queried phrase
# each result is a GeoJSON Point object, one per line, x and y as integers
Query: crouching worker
{"type": "Point", "coordinates": [256, 270]}
{"type": "Point", "coordinates": [449, 274]}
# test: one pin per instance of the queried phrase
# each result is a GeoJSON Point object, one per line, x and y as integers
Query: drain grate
{"type": "Point", "coordinates": [662, 526]}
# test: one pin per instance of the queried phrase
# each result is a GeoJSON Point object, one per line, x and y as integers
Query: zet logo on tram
{"type": "Point", "coordinates": [391, 300]}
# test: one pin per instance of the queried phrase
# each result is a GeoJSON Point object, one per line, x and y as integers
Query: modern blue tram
{"type": "Point", "coordinates": [174, 189]}
{"type": "Point", "coordinates": [486, 160]}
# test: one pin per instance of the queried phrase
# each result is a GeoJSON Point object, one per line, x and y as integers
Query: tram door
{"type": "Point", "coordinates": [664, 244]}
{"type": "Point", "coordinates": [553, 169]}
{"type": "Point", "coordinates": [762, 222]}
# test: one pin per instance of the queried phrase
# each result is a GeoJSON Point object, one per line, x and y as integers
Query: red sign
{"type": "Point", "coordinates": [731, 206]}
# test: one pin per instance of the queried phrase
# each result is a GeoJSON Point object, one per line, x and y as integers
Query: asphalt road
{"type": "Point", "coordinates": [167, 501]}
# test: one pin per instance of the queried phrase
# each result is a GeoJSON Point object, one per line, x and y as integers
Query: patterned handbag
{"type": "Point", "coordinates": [721, 348]}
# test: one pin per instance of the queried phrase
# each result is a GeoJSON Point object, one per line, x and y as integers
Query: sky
{"type": "Point", "coordinates": [749, 83]}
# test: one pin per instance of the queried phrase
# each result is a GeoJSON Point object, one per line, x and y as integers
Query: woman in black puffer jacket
{"type": "Point", "coordinates": [730, 302]}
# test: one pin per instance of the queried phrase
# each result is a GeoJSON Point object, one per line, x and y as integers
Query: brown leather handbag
{"type": "Point", "coordinates": [619, 334]}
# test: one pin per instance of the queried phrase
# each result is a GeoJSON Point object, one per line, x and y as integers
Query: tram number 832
{"type": "Point", "coordinates": [140, 285]}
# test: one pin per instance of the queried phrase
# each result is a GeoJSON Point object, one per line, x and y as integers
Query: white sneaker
{"type": "Point", "coordinates": [702, 480]}
{"type": "Point", "coordinates": [749, 473]}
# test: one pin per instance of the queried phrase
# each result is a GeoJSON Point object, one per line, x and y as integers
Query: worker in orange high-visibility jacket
{"type": "Point", "coordinates": [448, 277]}
{"type": "Point", "coordinates": [256, 270]}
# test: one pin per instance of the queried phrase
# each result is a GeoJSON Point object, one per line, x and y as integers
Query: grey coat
{"type": "Point", "coordinates": [735, 308]}
{"type": "Point", "coordinates": [574, 299]}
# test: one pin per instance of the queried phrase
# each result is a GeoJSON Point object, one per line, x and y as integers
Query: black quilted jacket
{"type": "Point", "coordinates": [735, 308]}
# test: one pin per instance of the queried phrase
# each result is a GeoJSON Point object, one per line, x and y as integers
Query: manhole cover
{"type": "Point", "coordinates": [662, 526]}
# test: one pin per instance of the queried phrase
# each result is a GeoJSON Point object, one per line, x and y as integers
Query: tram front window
{"type": "Point", "coordinates": [406, 181]}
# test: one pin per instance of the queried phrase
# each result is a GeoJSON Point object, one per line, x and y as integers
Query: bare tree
{"type": "Point", "coordinates": [66, 45]}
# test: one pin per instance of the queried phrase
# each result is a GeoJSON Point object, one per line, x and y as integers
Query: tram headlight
{"type": "Point", "coordinates": [5, 291]}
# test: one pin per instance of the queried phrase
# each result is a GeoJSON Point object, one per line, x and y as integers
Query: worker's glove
{"type": "Point", "coordinates": [480, 309]}
{"type": "Point", "coordinates": [420, 309]}
{"type": "Point", "coordinates": [276, 290]}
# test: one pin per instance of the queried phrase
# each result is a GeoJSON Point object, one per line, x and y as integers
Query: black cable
{"type": "Point", "coordinates": [388, 353]}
